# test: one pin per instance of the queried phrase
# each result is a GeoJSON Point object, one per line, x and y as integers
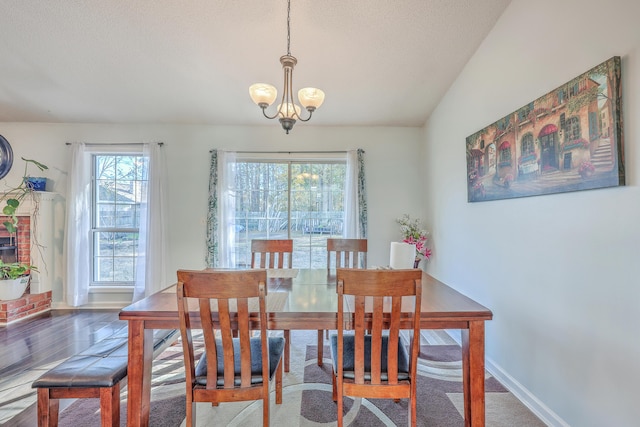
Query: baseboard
{"type": "Point", "coordinates": [91, 306]}
{"type": "Point", "coordinates": [529, 400]}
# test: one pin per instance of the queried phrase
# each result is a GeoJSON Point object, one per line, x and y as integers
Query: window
{"type": "Point", "coordinates": [524, 112]}
{"type": "Point", "coordinates": [573, 128]}
{"type": "Point", "coordinates": [527, 144]}
{"type": "Point", "coordinates": [300, 200]}
{"type": "Point", "coordinates": [561, 96]}
{"type": "Point", "coordinates": [119, 184]}
{"type": "Point", "coordinates": [505, 155]}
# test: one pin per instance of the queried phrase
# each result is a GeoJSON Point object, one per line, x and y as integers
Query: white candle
{"type": "Point", "coordinates": [402, 255]}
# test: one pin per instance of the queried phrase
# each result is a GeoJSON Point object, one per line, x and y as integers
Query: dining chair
{"type": "Point", "coordinates": [266, 253]}
{"type": "Point", "coordinates": [271, 253]}
{"type": "Point", "coordinates": [376, 364]}
{"type": "Point", "coordinates": [345, 253]}
{"type": "Point", "coordinates": [230, 369]}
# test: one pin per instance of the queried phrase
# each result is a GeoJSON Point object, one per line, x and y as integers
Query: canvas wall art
{"type": "Point", "coordinates": [567, 140]}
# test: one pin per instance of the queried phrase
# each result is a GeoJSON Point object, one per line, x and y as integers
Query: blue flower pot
{"type": "Point", "coordinates": [36, 183]}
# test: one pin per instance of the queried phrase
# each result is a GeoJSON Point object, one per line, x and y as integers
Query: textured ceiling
{"type": "Point", "coordinates": [380, 62]}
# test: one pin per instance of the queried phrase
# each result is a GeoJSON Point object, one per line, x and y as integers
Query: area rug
{"type": "Point", "coordinates": [307, 396]}
{"type": "Point", "coordinates": [434, 408]}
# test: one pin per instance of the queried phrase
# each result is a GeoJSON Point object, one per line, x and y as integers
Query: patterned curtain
{"type": "Point", "coordinates": [221, 210]}
{"type": "Point", "coordinates": [362, 195]}
{"type": "Point", "coordinates": [212, 212]}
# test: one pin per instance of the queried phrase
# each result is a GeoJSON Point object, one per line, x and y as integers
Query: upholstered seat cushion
{"type": "Point", "coordinates": [104, 364]}
{"type": "Point", "coordinates": [349, 354]}
{"type": "Point", "coordinates": [276, 349]}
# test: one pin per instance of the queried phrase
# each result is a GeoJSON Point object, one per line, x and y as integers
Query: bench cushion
{"type": "Point", "coordinates": [102, 365]}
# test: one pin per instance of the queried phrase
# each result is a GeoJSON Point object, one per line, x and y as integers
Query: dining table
{"type": "Point", "coordinates": [306, 299]}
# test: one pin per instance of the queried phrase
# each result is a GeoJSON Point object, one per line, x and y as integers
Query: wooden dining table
{"type": "Point", "coordinates": [306, 299]}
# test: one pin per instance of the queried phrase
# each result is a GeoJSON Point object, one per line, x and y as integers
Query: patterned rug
{"type": "Point", "coordinates": [307, 395]}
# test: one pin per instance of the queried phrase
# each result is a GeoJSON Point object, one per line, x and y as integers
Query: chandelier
{"type": "Point", "coordinates": [287, 111]}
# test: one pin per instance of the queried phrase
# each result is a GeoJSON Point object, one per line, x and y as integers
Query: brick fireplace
{"type": "Point", "coordinates": [19, 248]}
{"type": "Point", "coordinates": [21, 241]}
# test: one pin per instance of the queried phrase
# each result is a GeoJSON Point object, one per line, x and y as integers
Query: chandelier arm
{"type": "Point", "coordinates": [285, 93]}
{"type": "Point", "coordinates": [264, 112]}
{"type": "Point", "coordinates": [289, 89]}
{"type": "Point", "coordinates": [307, 119]}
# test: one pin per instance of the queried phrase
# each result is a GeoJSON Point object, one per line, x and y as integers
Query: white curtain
{"type": "Point", "coordinates": [226, 208]}
{"type": "Point", "coordinates": [152, 254]}
{"type": "Point", "coordinates": [351, 229]}
{"type": "Point", "coordinates": [77, 246]}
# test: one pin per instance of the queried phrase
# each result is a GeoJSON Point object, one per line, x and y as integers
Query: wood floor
{"type": "Point", "coordinates": [26, 346]}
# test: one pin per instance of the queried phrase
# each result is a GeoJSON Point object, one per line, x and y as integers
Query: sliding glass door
{"type": "Point", "coordinates": [303, 201]}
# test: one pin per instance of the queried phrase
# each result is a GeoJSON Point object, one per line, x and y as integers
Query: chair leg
{"type": "Point", "coordinates": [340, 409]}
{"type": "Point", "coordinates": [413, 406]}
{"type": "Point", "coordinates": [287, 349]}
{"type": "Point", "coordinates": [191, 412]}
{"type": "Point", "coordinates": [320, 346]}
{"type": "Point", "coordinates": [279, 370]}
{"type": "Point", "coordinates": [334, 395]}
{"type": "Point", "coordinates": [47, 409]}
{"type": "Point", "coordinates": [110, 406]}
{"type": "Point", "coordinates": [265, 406]}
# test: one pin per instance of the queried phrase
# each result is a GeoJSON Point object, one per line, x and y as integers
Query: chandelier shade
{"type": "Point", "coordinates": [310, 97]}
{"type": "Point", "coordinates": [263, 93]}
{"type": "Point", "coordinates": [288, 111]}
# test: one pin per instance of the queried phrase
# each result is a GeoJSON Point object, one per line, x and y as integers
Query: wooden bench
{"type": "Point", "coordinates": [92, 373]}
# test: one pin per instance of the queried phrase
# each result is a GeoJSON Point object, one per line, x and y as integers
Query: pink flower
{"type": "Point", "coordinates": [414, 234]}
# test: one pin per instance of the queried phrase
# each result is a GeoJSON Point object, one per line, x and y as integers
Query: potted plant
{"type": "Point", "coordinates": [14, 195]}
{"type": "Point", "coordinates": [14, 278]}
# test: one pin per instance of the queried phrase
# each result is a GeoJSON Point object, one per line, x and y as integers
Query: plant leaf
{"type": "Point", "coordinates": [13, 202]}
{"type": "Point", "coordinates": [37, 163]}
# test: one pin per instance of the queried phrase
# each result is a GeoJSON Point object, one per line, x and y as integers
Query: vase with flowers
{"type": "Point", "coordinates": [415, 234]}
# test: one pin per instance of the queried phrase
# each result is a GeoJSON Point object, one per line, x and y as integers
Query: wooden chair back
{"type": "Point", "coordinates": [223, 301]}
{"type": "Point", "coordinates": [347, 253]}
{"type": "Point", "coordinates": [271, 253]}
{"type": "Point", "coordinates": [378, 301]}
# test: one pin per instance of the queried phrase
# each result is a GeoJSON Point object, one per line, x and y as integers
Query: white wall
{"type": "Point", "coordinates": [560, 272]}
{"type": "Point", "coordinates": [391, 155]}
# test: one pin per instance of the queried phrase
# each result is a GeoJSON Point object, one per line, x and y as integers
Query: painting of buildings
{"type": "Point", "coordinates": [567, 140]}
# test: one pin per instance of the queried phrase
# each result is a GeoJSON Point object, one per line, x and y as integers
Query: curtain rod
{"type": "Point", "coordinates": [110, 144]}
{"type": "Point", "coordinates": [288, 152]}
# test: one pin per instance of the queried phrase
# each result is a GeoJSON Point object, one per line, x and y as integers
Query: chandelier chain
{"type": "Point", "coordinates": [289, 27]}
